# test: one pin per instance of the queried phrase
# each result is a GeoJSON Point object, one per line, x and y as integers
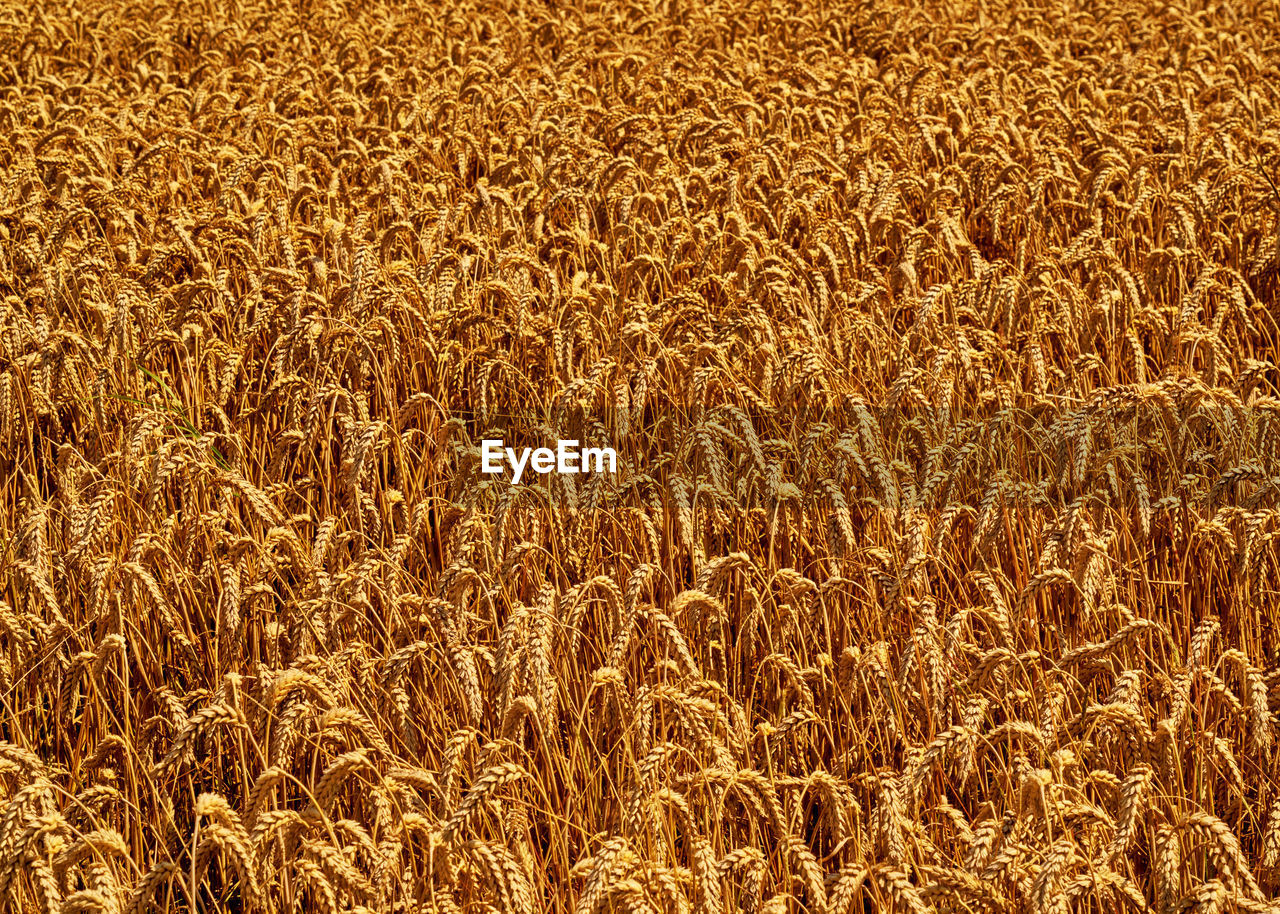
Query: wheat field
{"type": "Point", "coordinates": [937, 343]}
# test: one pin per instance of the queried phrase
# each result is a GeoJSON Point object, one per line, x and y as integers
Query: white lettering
{"type": "Point", "coordinates": [599, 453]}
{"type": "Point", "coordinates": [544, 459]}
{"type": "Point", "coordinates": [517, 465]}
{"type": "Point", "coordinates": [490, 451]}
{"type": "Point", "coordinates": [565, 457]}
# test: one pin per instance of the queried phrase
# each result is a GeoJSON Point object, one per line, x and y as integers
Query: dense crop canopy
{"type": "Point", "coordinates": [937, 346]}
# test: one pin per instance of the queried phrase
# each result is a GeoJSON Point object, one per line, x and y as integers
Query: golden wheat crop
{"type": "Point", "coordinates": [938, 346]}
